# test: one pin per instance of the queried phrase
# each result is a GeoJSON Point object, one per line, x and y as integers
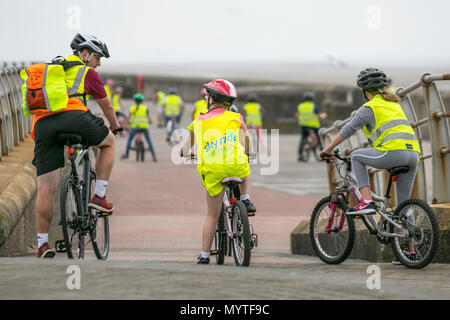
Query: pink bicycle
{"type": "Point", "coordinates": [234, 234]}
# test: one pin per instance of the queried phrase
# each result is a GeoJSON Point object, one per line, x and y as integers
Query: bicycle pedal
{"type": "Point", "coordinates": [251, 214]}
{"type": "Point", "coordinates": [60, 246]}
{"type": "Point", "coordinates": [214, 252]}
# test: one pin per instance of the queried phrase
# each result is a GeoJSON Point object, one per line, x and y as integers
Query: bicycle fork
{"type": "Point", "coordinates": [333, 206]}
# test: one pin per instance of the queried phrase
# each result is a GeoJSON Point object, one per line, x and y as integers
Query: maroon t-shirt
{"type": "Point", "coordinates": [93, 85]}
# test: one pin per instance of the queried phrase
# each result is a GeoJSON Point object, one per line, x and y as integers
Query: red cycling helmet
{"type": "Point", "coordinates": [221, 91]}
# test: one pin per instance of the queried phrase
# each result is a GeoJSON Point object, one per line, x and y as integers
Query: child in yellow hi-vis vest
{"type": "Point", "coordinates": [220, 154]}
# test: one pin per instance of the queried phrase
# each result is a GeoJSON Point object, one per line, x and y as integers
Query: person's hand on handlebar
{"type": "Point", "coordinates": [116, 130]}
{"type": "Point", "coordinates": [326, 155]}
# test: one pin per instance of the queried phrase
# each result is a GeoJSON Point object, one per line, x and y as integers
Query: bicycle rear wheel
{"type": "Point", "coordinates": [241, 235]}
{"type": "Point", "coordinates": [420, 220]}
{"type": "Point", "coordinates": [220, 239]}
{"type": "Point", "coordinates": [331, 239]}
{"type": "Point", "coordinates": [70, 221]}
{"type": "Point", "coordinates": [306, 152]}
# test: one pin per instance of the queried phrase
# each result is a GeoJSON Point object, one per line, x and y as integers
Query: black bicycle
{"type": "Point", "coordinates": [234, 233]}
{"type": "Point", "coordinates": [311, 145]}
{"type": "Point", "coordinates": [77, 219]}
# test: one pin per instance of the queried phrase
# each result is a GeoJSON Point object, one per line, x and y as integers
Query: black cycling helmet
{"type": "Point", "coordinates": [308, 96]}
{"type": "Point", "coordinates": [371, 79]}
{"type": "Point", "coordinates": [87, 41]}
{"type": "Point", "coordinates": [252, 97]}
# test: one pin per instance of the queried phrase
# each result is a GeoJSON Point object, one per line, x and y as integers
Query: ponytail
{"type": "Point", "coordinates": [389, 96]}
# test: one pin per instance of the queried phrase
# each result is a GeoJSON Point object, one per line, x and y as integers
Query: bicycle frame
{"type": "Point", "coordinates": [350, 187]}
{"type": "Point", "coordinates": [227, 204]}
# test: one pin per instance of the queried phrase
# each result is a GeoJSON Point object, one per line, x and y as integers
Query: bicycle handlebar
{"type": "Point", "coordinates": [326, 157]}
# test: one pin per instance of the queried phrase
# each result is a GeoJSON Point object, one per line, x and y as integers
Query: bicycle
{"type": "Point", "coordinates": [234, 233]}
{"type": "Point", "coordinates": [172, 125]}
{"type": "Point", "coordinates": [332, 234]}
{"type": "Point", "coordinates": [77, 219]}
{"type": "Point", "coordinates": [139, 147]}
{"type": "Point", "coordinates": [311, 145]}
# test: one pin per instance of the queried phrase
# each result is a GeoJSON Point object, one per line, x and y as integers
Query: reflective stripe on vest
{"type": "Point", "coordinates": [139, 117]}
{"type": "Point", "coordinates": [75, 77]}
{"type": "Point", "coordinates": [392, 129]}
{"type": "Point", "coordinates": [307, 116]}
{"type": "Point", "coordinates": [172, 105]}
{"type": "Point", "coordinates": [253, 113]}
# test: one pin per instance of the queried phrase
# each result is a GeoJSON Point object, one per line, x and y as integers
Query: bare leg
{"type": "Point", "coordinates": [244, 186]}
{"type": "Point", "coordinates": [365, 192]}
{"type": "Point", "coordinates": [47, 185]}
{"type": "Point", "coordinates": [106, 156]}
{"type": "Point", "coordinates": [212, 216]}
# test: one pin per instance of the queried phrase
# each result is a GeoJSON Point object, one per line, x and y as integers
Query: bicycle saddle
{"type": "Point", "coordinates": [396, 170]}
{"type": "Point", "coordinates": [68, 139]}
{"type": "Point", "coordinates": [232, 179]}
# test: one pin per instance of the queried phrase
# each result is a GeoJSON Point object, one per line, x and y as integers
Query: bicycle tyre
{"type": "Point", "coordinates": [318, 247]}
{"type": "Point", "coordinates": [69, 224]}
{"type": "Point", "coordinates": [316, 154]}
{"type": "Point", "coordinates": [101, 249]}
{"type": "Point", "coordinates": [418, 237]}
{"type": "Point", "coordinates": [306, 153]}
{"type": "Point", "coordinates": [241, 235]}
{"type": "Point", "coordinates": [220, 239]}
{"type": "Point", "coordinates": [141, 151]}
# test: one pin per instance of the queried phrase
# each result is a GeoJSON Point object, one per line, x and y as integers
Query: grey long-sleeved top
{"type": "Point", "coordinates": [363, 117]}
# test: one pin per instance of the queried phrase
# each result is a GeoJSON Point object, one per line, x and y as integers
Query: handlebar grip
{"type": "Point", "coordinates": [325, 157]}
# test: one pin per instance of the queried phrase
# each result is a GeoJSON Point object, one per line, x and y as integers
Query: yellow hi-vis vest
{"type": "Point", "coordinates": [219, 151]}
{"type": "Point", "coordinates": [108, 92]}
{"type": "Point", "coordinates": [75, 77]}
{"type": "Point", "coordinates": [172, 105]}
{"type": "Point", "coordinates": [307, 116]}
{"type": "Point", "coordinates": [139, 118]}
{"type": "Point", "coordinates": [115, 102]}
{"type": "Point", "coordinates": [253, 114]}
{"type": "Point", "coordinates": [200, 107]}
{"type": "Point", "coordinates": [160, 94]}
{"type": "Point", "coordinates": [392, 129]}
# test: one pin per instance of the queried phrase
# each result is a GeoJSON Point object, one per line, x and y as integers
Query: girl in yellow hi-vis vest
{"type": "Point", "coordinates": [392, 140]}
{"type": "Point", "coordinates": [220, 154]}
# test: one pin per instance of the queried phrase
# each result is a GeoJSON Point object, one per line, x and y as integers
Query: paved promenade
{"type": "Point", "coordinates": [156, 238]}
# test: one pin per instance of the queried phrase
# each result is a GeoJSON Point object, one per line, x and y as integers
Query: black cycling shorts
{"type": "Point", "coordinates": [48, 154]}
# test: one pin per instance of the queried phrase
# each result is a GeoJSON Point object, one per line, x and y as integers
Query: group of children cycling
{"type": "Point", "coordinates": [221, 137]}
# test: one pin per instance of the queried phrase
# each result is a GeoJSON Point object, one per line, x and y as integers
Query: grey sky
{"type": "Point", "coordinates": [349, 33]}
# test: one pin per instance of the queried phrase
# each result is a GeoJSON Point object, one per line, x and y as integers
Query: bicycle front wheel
{"type": "Point", "coordinates": [98, 224]}
{"type": "Point", "coordinates": [70, 220]}
{"type": "Point", "coordinates": [331, 232]}
{"type": "Point", "coordinates": [241, 235]}
{"type": "Point", "coordinates": [419, 219]}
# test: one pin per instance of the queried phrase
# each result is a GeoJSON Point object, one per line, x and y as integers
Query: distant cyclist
{"type": "Point", "coordinates": [200, 105]}
{"type": "Point", "coordinates": [109, 87]}
{"type": "Point", "coordinates": [220, 154]}
{"type": "Point", "coordinates": [308, 116]}
{"type": "Point", "coordinates": [139, 120]}
{"type": "Point", "coordinates": [392, 139]}
{"type": "Point", "coordinates": [82, 81]}
{"type": "Point", "coordinates": [389, 87]}
{"type": "Point", "coordinates": [173, 107]}
{"type": "Point", "coordinates": [159, 101]}
{"type": "Point", "coordinates": [253, 112]}
{"type": "Point", "coordinates": [117, 100]}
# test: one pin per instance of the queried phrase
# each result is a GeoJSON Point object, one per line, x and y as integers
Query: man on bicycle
{"type": "Point", "coordinates": [82, 81]}
{"type": "Point", "coordinates": [139, 120]}
{"type": "Point", "coordinates": [253, 113]}
{"type": "Point", "coordinates": [308, 115]}
{"type": "Point", "coordinates": [173, 107]}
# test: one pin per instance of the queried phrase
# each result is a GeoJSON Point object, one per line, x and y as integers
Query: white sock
{"type": "Point", "coordinates": [245, 197]}
{"type": "Point", "coordinates": [206, 254]}
{"type": "Point", "coordinates": [42, 238]}
{"type": "Point", "coordinates": [100, 188]}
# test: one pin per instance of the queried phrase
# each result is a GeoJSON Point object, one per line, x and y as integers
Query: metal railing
{"type": "Point", "coordinates": [438, 123]}
{"type": "Point", "coordinates": [15, 126]}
